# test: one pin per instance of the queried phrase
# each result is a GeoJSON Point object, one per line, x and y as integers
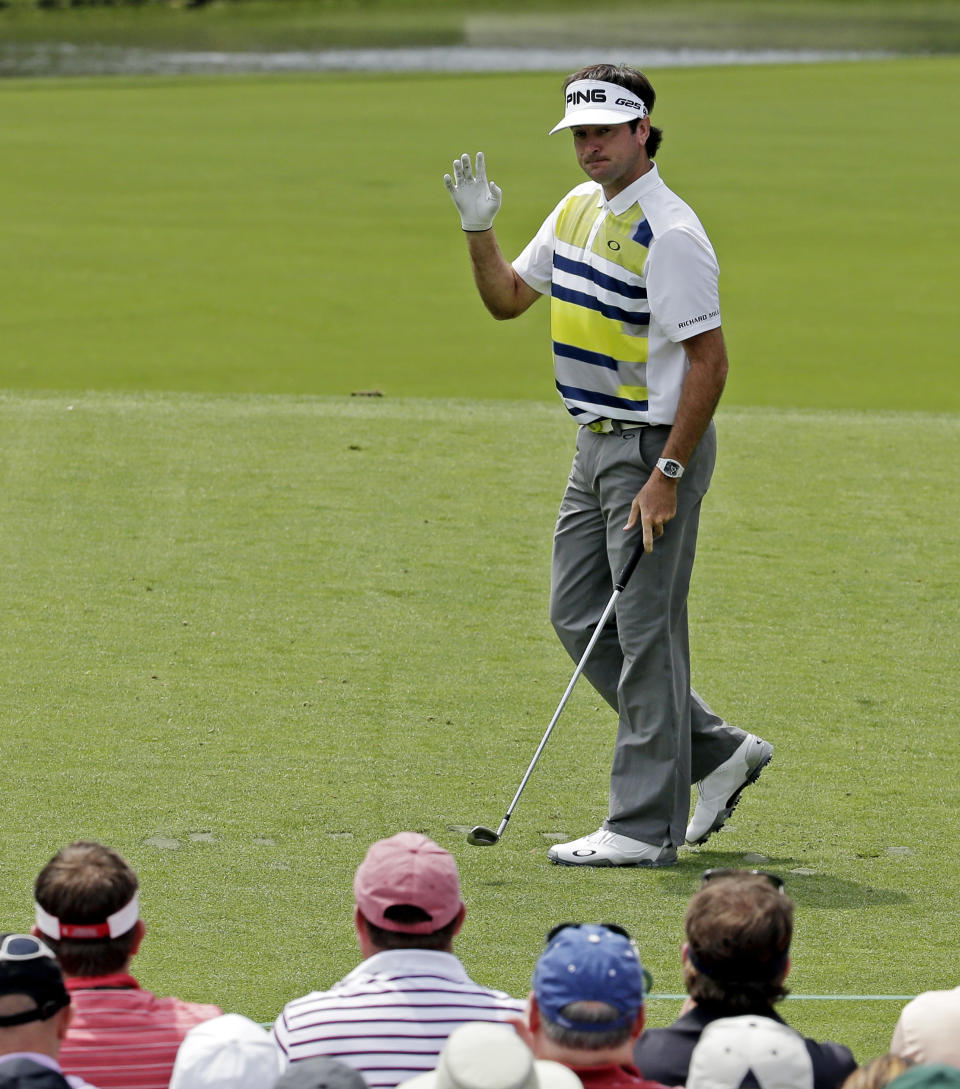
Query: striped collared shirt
{"type": "Point", "coordinates": [391, 1015]}
{"type": "Point", "coordinates": [123, 1037]}
{"type": "Point", "coordinates": [630, 279]}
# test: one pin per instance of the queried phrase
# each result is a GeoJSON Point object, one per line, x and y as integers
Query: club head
{"type": "Point", "coordinates": [482, 837]}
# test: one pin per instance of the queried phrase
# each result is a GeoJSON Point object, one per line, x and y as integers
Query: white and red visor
{"type": "Point", "coordinates": [593, 102]}
{"type": "Point", "coordinates": [120, 922]}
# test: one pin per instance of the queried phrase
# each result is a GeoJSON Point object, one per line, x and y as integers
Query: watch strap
{"type": "Point", "coordinates": [670, 467]}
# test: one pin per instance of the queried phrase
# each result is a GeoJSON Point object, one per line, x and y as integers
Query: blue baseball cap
{"type": "Point", "coordinates": [588, 963]}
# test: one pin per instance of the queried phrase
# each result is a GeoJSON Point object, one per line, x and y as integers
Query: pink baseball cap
{"type": "Point", "coordinates": [408, 870]}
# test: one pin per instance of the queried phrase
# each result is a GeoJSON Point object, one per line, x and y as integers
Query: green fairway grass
{"type": "Point", "coordinates": [252, 623]}
{"type": "Point", "coordinates": [292, 235]}
{"type": "Point", "coordinates": [246, 635]}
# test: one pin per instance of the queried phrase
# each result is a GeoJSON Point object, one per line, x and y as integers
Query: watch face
{"type": "Point", "coordinates": [670, 468]}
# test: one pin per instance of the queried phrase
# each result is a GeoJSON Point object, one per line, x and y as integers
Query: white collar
{"type": "Point", "coordinates": [633, 194]}
{"type": "Point", "coordinates": [403, 962]}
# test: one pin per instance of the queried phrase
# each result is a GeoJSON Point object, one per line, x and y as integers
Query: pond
{"type": "Point", "coordinates": [65, 59]}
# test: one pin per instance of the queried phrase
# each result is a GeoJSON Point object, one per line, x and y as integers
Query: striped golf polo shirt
{"type": "Point", "coordinates": [123, 1037]}
{"type": "Point", "coordinates": [630, 279]}
{"type": "Point", "coordinates": [390, 1016]}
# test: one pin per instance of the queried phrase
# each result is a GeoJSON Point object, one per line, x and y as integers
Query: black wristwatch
{"type": "Point", "coordinates": [670, 468]}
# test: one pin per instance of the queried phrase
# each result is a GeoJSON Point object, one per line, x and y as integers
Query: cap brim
{"type": "Point", "coordinates": [593, 117]}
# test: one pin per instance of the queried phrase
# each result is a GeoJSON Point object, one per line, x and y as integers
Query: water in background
{"type": "Point", "coordinates": [63, 59]}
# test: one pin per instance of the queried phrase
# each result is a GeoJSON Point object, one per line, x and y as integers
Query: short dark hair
{"type": "Point", "coordinates": [591, 1013]}
{"type": "Point", "coordinates": [85, 883]}
{"type": "Point", "coordinates": [437, 940]}
{"type": "Point", "coordinates": [623, 75]}
{"type": "Point", "coordinates": [739, 929]}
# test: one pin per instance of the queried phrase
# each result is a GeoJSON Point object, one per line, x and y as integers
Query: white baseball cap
{"type": "Point", "coordinates": [750, 1051]}
{"type": "Point", "coordinates": [486, 1055]}
{"type": "Point", "coordinates": [594, 102]}
{"type": "Point", "coordinates": [227, 1052]}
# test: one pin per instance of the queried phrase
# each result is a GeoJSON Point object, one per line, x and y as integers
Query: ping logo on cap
{"type": "Point", "coordinates": [594, 94]}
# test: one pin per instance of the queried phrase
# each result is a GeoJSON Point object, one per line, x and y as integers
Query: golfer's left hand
{"type": "Point", "coordinates": [477, 199]}
{"type": "Point", "coordinates": [653, 506]}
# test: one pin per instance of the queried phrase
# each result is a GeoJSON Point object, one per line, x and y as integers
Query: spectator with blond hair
{"type": "Point", "coordinates": [878, 1073]}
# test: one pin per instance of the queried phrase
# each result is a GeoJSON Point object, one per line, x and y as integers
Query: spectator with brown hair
{"type": "Point", "coordinates": [736, 958]}
{"type": "Point", "coordinates": [390, 1016]}
{"type": "Point", "coordinates": [121, 1036]}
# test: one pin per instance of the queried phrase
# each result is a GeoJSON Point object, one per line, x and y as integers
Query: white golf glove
{"type": "Point", "coordinates": [477, 200]}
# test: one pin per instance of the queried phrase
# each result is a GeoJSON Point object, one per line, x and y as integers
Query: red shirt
{"type": "Point", "coordinates": [122, 1037]}
{"type": "Point", "coordinates": [613, 1076]}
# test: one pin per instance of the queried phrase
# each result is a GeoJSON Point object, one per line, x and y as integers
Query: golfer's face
{"type": "Point", "coordinates": [611, 154]}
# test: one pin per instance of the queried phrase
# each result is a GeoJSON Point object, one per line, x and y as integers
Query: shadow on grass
{"type": "Point", "coordinates": [808, 889]}
{"type": "Point", "coordinates": [817, 889]}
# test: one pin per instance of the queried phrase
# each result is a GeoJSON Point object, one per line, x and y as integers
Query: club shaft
{"type": "Point", "coordinates": [598, 631]}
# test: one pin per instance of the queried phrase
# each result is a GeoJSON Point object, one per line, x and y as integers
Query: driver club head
{"type": "Point", "coordinates": [482, 837]}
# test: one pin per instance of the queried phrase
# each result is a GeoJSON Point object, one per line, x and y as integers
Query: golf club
{"type": "Point", "coordinates": [486, 837]}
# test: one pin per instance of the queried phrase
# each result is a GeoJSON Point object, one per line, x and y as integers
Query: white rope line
{"type": "Point", "coordinates": [813, 997]}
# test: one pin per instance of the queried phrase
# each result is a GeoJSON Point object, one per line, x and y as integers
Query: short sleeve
{"type": "Point", "coordinates": [682, 288]}
{"type": "Point", "coordinates": [535, 264]}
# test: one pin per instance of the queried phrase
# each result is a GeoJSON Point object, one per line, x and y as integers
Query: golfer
{"type": "Point", "coordinates": [640, 365]}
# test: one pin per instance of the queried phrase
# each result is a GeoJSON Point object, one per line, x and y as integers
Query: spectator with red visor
{"type": "Point", "coordinates": [88, 912]}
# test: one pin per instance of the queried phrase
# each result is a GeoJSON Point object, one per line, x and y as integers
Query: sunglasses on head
{"type": "Point", "coordinates": [23, 947]}
{"type": "Point", "coordinates": [614, 928]}
{"type": "Point", "coordinates": [775, 880]}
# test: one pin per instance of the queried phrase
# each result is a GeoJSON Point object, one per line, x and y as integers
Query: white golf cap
{"type": "Point", "coordinates": [485, 1055]}
{"type": "Point", "coordinates": [227, 1052]}
{"type": "Point", "coordinates": [750, 1051]}
{"type": "Point", "coordinates": [593, 102]}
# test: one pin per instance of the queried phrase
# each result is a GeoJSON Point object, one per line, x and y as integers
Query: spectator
{"type": "Point", "coordinates": [485, 1056]}
{"type": "Point", "coordinates": [34, 1015]}
{"type": "Point", "coordinates": [736, 958]}
{"type": "Point", "coordinates": [121, 1036]}
{"type": "Point", "coordinates": [879, 1073]}
{"type": "Point", "coordinates": [586, 1007]}
{"type": "Point", "coordinates": [228, 1052]}
{"type": "Point", "coordinates": [321, 1073]}
{"type": "Point", "coordinates": [928, 1030]}
{"type": "Point", "coordinates": [750, 1050]}
{"type": "Point", "coordinates": [928, 1076]}
{"type": "Point", "coordinates": [391, 1015]}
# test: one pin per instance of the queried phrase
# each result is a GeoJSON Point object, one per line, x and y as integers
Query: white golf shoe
{"type": "Point", "coordinates": [603, 848]}
{"type": "Point", "coordinates": [719, 792]}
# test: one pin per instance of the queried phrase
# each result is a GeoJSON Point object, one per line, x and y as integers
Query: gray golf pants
{"type": "Point", "coordinates": [668, 737]}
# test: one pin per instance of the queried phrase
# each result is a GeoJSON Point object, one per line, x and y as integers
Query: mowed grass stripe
{"type": "Point", "coordinates": [292, 235]}
{"type": "Point", "coordinates": [245, 636]}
